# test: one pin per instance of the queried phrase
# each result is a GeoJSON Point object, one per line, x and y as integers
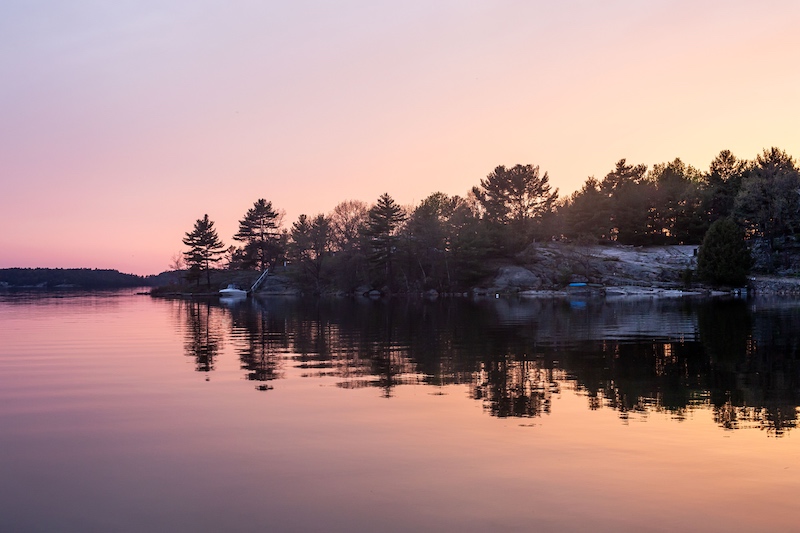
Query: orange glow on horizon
{"type": "Point", "coordinates": [122, 126]}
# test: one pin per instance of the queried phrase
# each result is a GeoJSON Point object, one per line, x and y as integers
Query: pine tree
{"type": "Point", "coordinates": [516, 194]}
{"type": "Point", "coordinates": [514, 201]}
{"type": "Point", "coordinates": [383, 220]}
{"type": "Point", "coordinates": [205, 249]}
{"type": "Point", "coordinates": [768, 204]}
{"type": "Point", "coordinates": [259, 231]}
{"type": "Point", "coordinates": [309, 246]}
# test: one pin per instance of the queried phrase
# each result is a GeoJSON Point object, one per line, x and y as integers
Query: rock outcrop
{"type": "Point", "coordinates": [551, 266]}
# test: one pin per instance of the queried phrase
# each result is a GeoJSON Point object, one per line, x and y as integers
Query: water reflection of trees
{"type": "Point", "coordinates": [203, 333]}
{"type": "Point", "coordinates": [364, 346]}
{"type": "Point", "coordinates": [756, 356]}
{"type": "Point", "coordinates": [516, 388]}
{"type": "Point", "coordinates": [260, 339]}
{"type": "Point", "coordinates": [515, 356]}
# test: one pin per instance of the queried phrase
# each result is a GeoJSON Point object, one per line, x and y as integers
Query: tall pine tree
{"type": "Point", "coordinates": [205, 249]}
{"type": "Point", "coordinates": [383, 221]}
{"type": "Point", "coordinates": [259, 231]}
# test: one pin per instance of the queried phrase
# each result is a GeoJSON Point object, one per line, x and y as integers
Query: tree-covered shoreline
{"type": "Point", "coordinates": [450, 243]}
{"type": "Point", "coordinates": [455, 243]}
{"type": "Point", "coordinates": [68, 278]}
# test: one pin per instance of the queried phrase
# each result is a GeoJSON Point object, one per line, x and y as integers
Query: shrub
{"type": "Point", "coordinates": [724, 258]}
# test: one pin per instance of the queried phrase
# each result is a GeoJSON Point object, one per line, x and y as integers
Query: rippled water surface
{"type": "Point", "coordinates": [119, 412]}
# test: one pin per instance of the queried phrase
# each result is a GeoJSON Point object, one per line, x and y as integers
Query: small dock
{"type": "Point", "coordinates": [258, 282]}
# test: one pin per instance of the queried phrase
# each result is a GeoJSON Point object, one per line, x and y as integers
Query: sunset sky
{"type": "Point", "coordinates": [123, 122]}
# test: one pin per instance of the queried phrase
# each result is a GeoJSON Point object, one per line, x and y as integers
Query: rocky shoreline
{"type": "Point", "coordinates": [781, 286]}
{"type": "Point", "coordinates": [557, 270]}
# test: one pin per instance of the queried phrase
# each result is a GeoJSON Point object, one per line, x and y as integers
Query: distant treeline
{"type": "Point", "coordinates": [448, 242]}
{"type": "Point", "coordinates": [82, 278]}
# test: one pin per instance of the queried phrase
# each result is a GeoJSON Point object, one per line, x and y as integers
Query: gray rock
{"type": "Point", "coordinates": [514, 277]}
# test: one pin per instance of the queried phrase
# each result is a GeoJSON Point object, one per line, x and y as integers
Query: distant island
{"type": "Point", "coordinates": [68, 278]}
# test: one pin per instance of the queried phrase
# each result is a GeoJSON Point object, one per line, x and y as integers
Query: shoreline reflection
{"type": "Point", "coordinates": [515, 356]}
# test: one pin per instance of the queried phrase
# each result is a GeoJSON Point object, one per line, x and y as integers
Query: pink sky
{"type": "Point", "coordinates": [123, 122]}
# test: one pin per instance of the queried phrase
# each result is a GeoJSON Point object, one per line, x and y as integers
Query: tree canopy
{"type": "Point", "coordinates": [260, 235]}
{"type": "Point", "coordinates": [205, 249]}
{"type": "Point", "coordinates": [449, 242]}
{"type": "Point", "coordinates": [309, 248]}
{"type": "Point", "coordinates": [515, 195]}
{"type": "Point", "coordinates": [768, 203]}
{"type": "Point", "coordinates": [384, 218]}
{"type": "Point", "coordinates": [514, 200]}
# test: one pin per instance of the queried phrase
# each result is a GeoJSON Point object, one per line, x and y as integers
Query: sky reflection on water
{"type": "Point", "coordinates": [124, 413]}
{"type": "Point", "coordinates": [634, 356]}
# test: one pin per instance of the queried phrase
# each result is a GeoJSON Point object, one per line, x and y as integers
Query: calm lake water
{"type": "Point", "coordinates": [119, 412]}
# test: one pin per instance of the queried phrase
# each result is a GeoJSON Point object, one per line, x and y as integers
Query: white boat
{"type": "Point", "coordinates": [232, 292]}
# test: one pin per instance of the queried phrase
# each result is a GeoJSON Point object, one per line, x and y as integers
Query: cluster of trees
{"type": "Point", "coordinates": [735, 201]}
{"type": "Point", "coordinates": [443, 243]}
{"type": "Point", "coordinates": [674, 203]}
{"type": "Point", "coordinates": [447, 242]}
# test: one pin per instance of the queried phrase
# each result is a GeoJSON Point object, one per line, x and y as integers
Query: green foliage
{"type": "Point", "coordinates": [205, 249]}
{"type": "Point", "coordinates": [308, 249]}
{"type": "Point", "coordinates": [383, 221]}
{"type": "Point", "coordinates": [259, 230]}
{"type": "Point", "coordinates": [673, 203]}
{"type": "Point", "coordinates": [724, 258]}
{"type": "Point", "coordinates": [449, 242]}
{"type": "Point", "coordinates": [675, 218]}
{"type": "Point", "coordinates": [516, 194]}
{"type": "Point", "coordinates": [629, 203]}
{"type": "Point", "coordinates": [631, 206]}
{"type": "Point", "coordinates": [586, 214]}
{"type": "Point", "coordinates": [768, 203]}
{"type": "Point", "coordinates": [444, 247]}
{"type": "Point", "coordinates": [514, 200]}
{"type": "Point", "coordinates": [724, 180]}
{"type": "Point", "coordinates": [347, 271]}
{"type": "Point", "coordinates": [428, 240]}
